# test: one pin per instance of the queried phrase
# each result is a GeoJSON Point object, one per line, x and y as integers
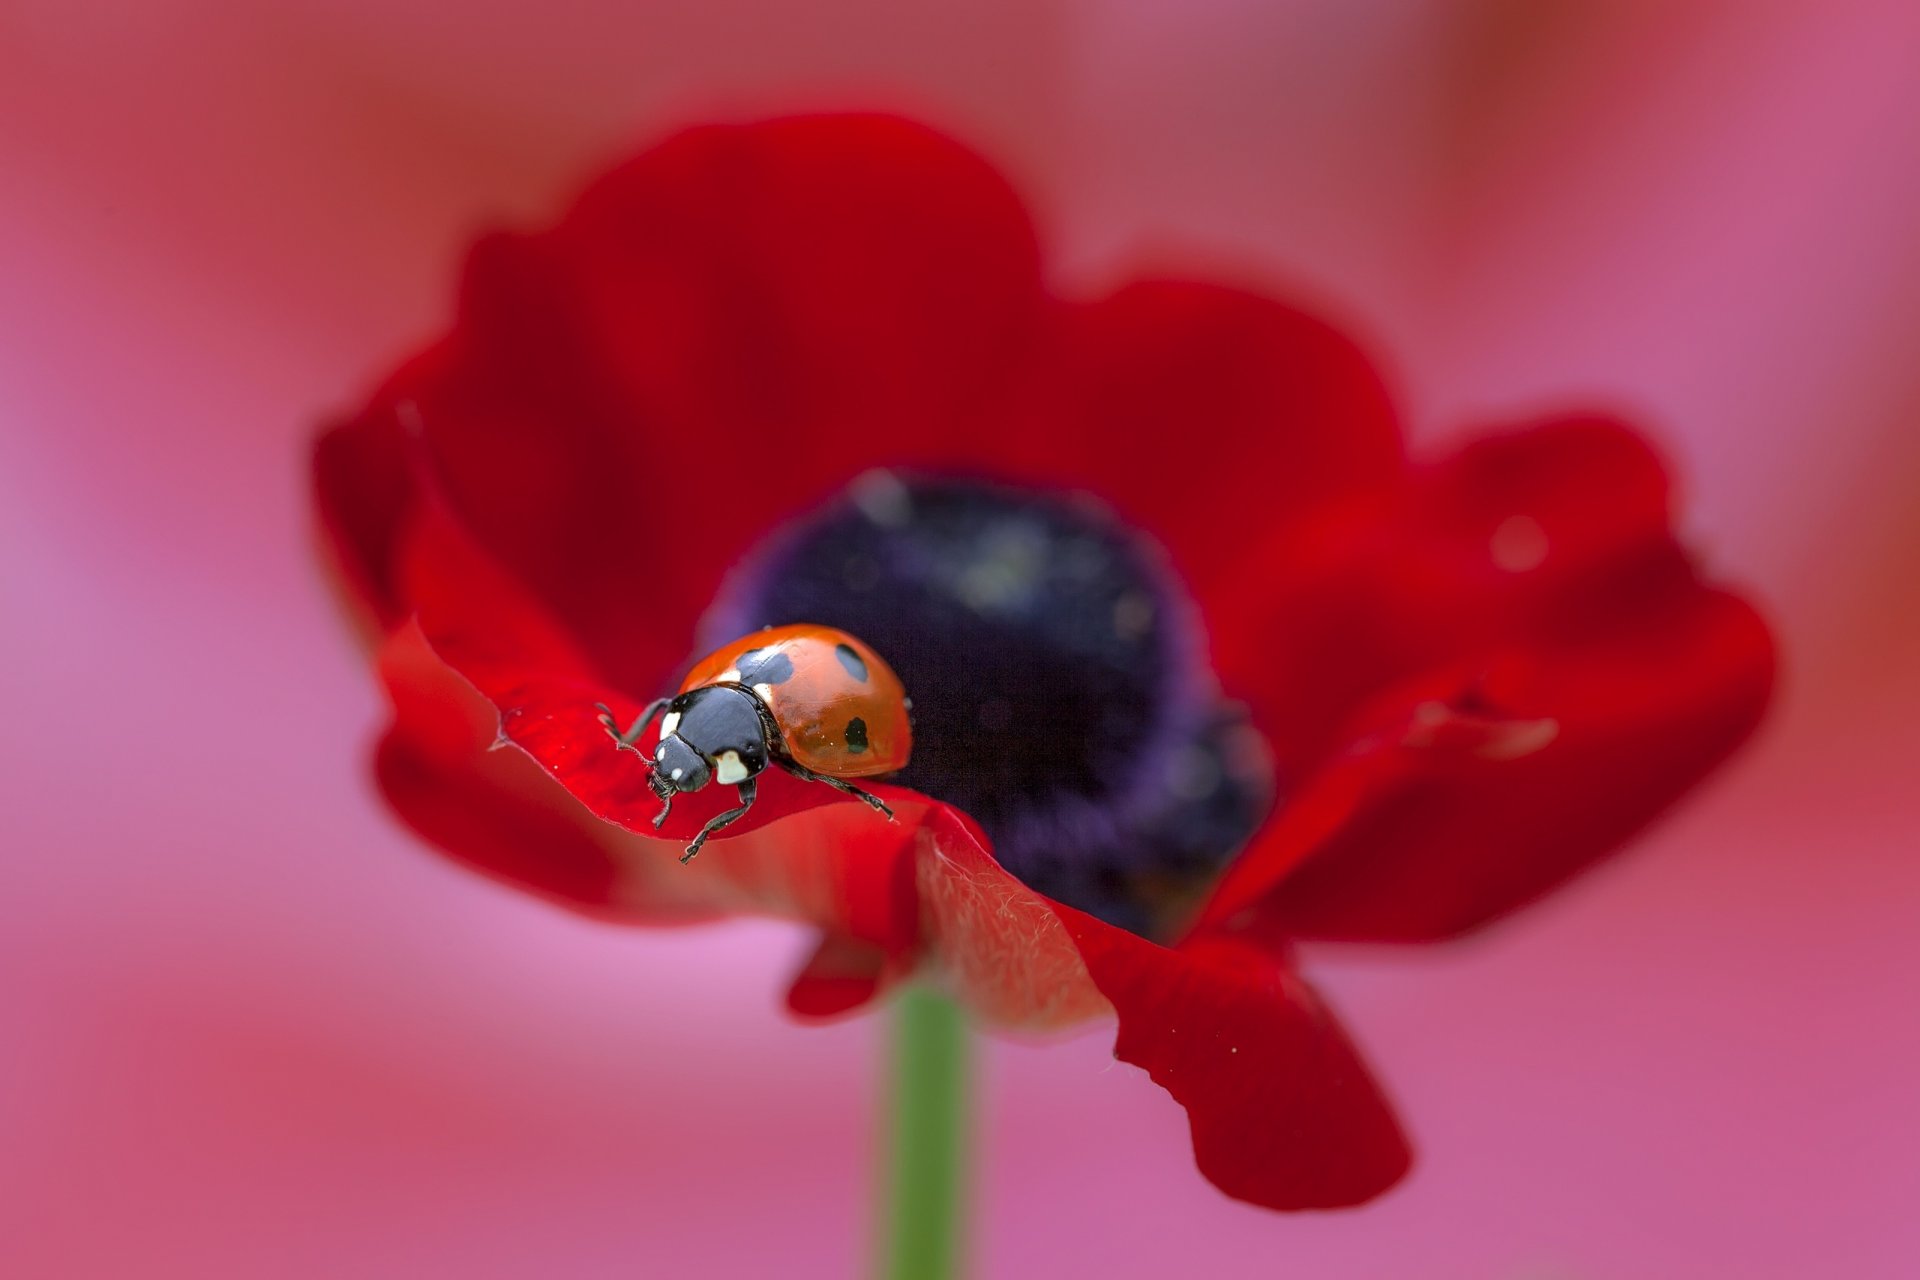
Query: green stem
{"type": "Point", "coordinates": [926, 1140]}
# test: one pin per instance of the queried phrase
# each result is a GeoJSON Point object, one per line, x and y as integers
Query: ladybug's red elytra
{"type": "Point", "coordinates": [809, 699]}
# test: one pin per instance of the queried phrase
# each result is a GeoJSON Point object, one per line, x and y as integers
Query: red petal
{"type": "Point", "coordinates": [1284, 1113]}
{"type": "Point", "coordinates": [1523, 671]}
{"type": "Point", "coordinates": [719, 332]}
{"type": "Point", "coordinates": [806, 296]}
{"type": "Point", "coordinates": [499, 812]}
{"type": "Point", "coordinates": [1201, 411]}
{"type": "Point", "coordinates": [1474, 801]}
{"type": "Point", "coordinates": [842, 976]}
{"type": "Point", "coordinates": [363, 492]}
{"type": "Point", "coordinates": [1452, 567]}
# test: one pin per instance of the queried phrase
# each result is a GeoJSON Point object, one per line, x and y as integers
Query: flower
{"type": "Point", "coordinates": [1204, 666]}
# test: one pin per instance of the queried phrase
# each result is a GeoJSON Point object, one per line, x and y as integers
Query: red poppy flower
{"type": "Point", "coordinates": [1202, 664]}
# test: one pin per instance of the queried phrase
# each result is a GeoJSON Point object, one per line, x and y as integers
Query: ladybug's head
{"type": "Point", "coordinates": [710, 734]}
{"type": "Point", "coordinates": [677, 767]}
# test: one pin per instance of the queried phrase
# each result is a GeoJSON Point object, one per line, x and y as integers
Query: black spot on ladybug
{"type": "Point", "coordinates": [856, 734]}
{"type": "Point", "coordinates": [764, 666]}
{"type": "Point", "coordinates": [855, 664]}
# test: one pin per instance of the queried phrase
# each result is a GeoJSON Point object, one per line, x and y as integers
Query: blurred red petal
{"type": "Point", "coordinates": [805, 296]}
{"type": "Point", "coordinates": [1498, 676]}
{"type": "Point", "coordinates": [363, 493]}
{"type": "Point", "coordinates": [841, 976]}
{"type": "Point", "coordinates": [1469, 803]}
{"type": "Point", "coordinates": [1545, 503]}
{"type": "Point", "coordinates": [1454, 565]}
{"type": "Point", "coordinates": [1200, 411]}
{"type": "Point", "coordinates": [719, 332]}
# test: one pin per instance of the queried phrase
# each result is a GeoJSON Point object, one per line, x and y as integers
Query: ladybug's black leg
{"type": "Point", "coordinates": [726, 819]}
{"type": "Point", "coordinates": [805, 774]}
{"type": "Point", "coordinates": [666, 807]}
{"type": "Point", "coordinates": [632, 735]}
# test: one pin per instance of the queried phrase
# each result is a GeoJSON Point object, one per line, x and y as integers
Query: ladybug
{"type": "Point", "coordinates": [809, 699]}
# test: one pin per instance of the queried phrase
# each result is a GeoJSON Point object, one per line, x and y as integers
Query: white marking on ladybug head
{"type": "Point", "coordinates": [675, 774]}
{"type": "Point", "coordinates": [729, 771]}
{"type": "Point", "coordinates": [668, 723]}
{"type": "Point", "coordinates": [660, 752]}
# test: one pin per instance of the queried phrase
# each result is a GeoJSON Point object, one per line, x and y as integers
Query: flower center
{"type": "Point", "coordinates": [1059, 686]}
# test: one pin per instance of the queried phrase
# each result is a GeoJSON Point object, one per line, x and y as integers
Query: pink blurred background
{"type": "Point", "coordinates": [253, 1030]}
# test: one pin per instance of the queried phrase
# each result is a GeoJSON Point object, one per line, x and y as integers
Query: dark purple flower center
{"type": "Point", "coordinates": [1060, 690]}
